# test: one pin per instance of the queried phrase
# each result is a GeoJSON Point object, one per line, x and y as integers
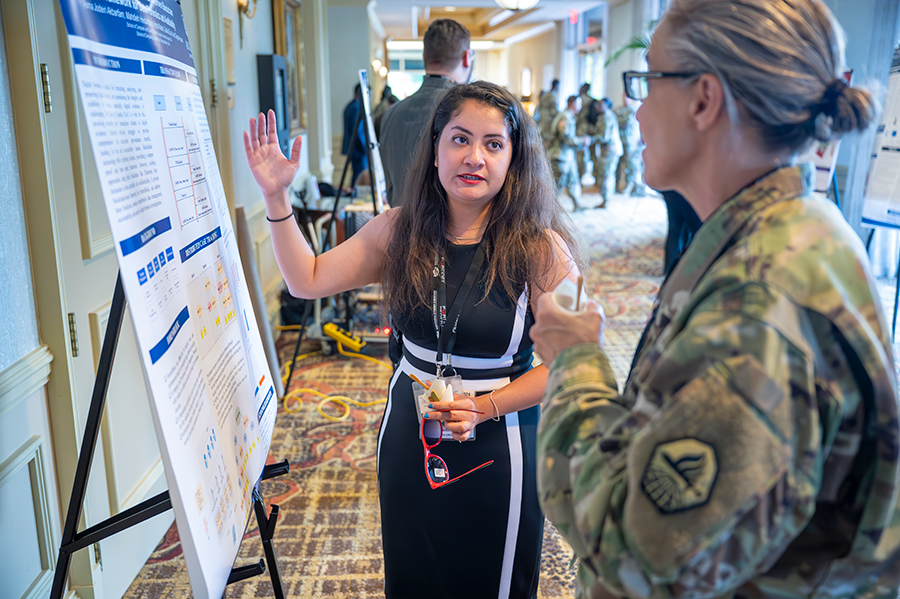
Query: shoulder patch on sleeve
{"type": "Point", "coordinates": [680, 475]}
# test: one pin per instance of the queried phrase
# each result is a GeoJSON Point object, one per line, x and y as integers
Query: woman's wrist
{"type": "Point", "coordinates": [278, 205]}
{"type": "Point", "coordinates": [487, 403]}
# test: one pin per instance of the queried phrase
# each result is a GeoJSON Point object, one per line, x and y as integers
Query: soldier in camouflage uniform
{"type": "Point", "coordinates": [632, 175]}
{"type": "Point", "coordinates": [584, 156]}
{"type": "Point", "coordinates": [549, 107]}
{"type": "Point", "coordinates": [607, 148]}
{"type": "Point", "coordinates": [564, 142]}
{"type": "Point", "coordinates": [753, 452]}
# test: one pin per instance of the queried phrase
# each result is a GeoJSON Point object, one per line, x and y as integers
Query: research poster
{"type": "Point", "coordinates": [213, 399]}
{"type": "Point", "coordinates": [379, 187]}
{"type": "Point", "coordinates": [882, 200]}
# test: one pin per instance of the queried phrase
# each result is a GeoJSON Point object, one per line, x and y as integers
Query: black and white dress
{"type": "Point", "coordinates": [479, 537]}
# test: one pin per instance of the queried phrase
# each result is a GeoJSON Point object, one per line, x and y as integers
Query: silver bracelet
{"type": "Point", "coordinates": [496, 409]}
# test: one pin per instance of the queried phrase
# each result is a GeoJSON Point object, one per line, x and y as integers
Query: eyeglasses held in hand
{"type": "Point", "coordinates": [435, 466]}
{"type": "Point", "coordinates": [636, 82]}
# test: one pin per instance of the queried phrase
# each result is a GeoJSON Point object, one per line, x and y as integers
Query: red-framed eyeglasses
{"type": "Point", "coordinates": [435, 467]}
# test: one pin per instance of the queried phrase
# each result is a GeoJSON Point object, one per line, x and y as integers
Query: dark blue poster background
{"type": "Point", "coordinates": [147, 25]}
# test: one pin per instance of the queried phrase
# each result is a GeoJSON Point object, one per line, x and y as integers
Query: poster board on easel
{"type": "Point", "coordinates": [376, 167]}
{"type": "Point", "coordinates": [212, 396]}
{"type": "Point", "coordinates": [881, 207]}
{"type": "Point", "coordinates": [881, 203]}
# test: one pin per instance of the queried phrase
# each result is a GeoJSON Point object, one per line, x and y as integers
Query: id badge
{"type": "Point", "coordinates": [423, 398]}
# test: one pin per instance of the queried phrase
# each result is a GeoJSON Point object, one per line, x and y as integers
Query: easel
{"type": "Point", "coordinates": [72, 540]}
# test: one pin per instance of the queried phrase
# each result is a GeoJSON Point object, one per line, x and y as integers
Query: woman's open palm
{"type": "Point", "coordinates": [272, 171]}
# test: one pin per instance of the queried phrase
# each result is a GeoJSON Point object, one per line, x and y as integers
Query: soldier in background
{"type": "Point", "coordinates": [631, 171]}
{"type": "Point", "coordinates": [549, 107]}
{"type": "Point", "coordinates": [606, 146]}
{"type": "Point", "coordinates": [753, 451]}
{"type": "Point", "coordinates": [584, 157]}
{"type": "Point", "coordinates": [564, 142]}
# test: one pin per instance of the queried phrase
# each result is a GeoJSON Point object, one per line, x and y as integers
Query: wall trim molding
{"type": "Point", "coordinates": [25, 376]}
{"type": "Point", "coordinates": [31, 455]}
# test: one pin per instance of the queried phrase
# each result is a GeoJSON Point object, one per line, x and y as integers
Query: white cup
{"type": "Point", "coordinates": [565, 296]}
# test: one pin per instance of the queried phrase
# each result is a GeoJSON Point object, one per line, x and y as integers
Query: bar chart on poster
{"type": "Point", "coordinates": [213, 400]}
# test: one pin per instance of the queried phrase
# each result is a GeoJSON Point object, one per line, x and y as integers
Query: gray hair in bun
{"type": "Point", "coordinates": [781, 62]}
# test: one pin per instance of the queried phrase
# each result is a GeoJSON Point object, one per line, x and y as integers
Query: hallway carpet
{"type": "Point", "coordinates": [328, 536]}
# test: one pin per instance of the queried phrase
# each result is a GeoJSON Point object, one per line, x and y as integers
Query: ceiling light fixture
{"type": "Point", "coordinates": [516, 4]}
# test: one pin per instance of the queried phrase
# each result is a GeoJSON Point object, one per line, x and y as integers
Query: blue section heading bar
{"type": "Point", "coordinates": [265, 404]}
{"type": "Point", "coordinates": [136, 242]}
{"type": "Point", "coordinates": [158, 69]}
{"type": "Point", "coordinates": [199, 243]}
{"type": "Point", "coordinates": [158, 350]}
{"type": "Point", "coordinates": [109, 63]}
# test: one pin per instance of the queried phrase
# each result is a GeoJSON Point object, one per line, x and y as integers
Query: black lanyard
{"type": "Point", "coordinates": [447, 335]}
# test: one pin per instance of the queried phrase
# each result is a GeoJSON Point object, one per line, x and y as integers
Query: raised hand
{"type": "Point", "coordinates": [272, 171]}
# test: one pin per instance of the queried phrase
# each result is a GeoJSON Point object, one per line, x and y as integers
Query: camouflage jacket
{"type": "Point", "coordinates": [564, 140]}
{"type": "Point", "coordinates": [754, 450]}
{"type": "Point", "coordinates": [549, 106]}
{"type": "Point", "coordinates": [629, 129]}
{"type": "Point", "coordinates": [604, 135]}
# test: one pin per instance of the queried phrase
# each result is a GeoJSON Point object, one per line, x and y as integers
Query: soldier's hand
{"type": "Point", "coordinates": [556, 330]}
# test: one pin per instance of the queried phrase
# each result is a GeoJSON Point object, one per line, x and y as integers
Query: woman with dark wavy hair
{"type": "Point", "coordinates": [480, 237]}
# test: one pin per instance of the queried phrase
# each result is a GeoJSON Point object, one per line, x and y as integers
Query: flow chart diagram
{"type": "Point", "coordinates": [186, 169]}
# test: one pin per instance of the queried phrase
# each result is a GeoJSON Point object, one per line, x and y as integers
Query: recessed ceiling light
{"type": "Point", "coordinates": [450, 8]}
{"type": "Point", "coordinates": [516, 4]}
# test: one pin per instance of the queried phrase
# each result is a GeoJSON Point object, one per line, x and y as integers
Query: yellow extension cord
{"type": "Point", "coordinates": [339, 400]}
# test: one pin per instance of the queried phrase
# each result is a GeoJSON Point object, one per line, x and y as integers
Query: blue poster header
{"type": "Point", "coordinates": [136, 242]}
{"type": "Point", "coordinates": [158, 350]}
{"type": "Point", "coordinates": [148, 25]}
{"type": "Point", "coordinates": [110, 63]}
{"type": "Point", "coordinates": [199, 243]}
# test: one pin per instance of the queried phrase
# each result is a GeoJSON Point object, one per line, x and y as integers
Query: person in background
{"type": "Point", "coordinates": [537, 109]}
{"type": "Point", "coordinates": [753, 451]}
{"type": "Point", "coordinates": [631, 172]}
{"type": "Point", "coordinates": [564, 142]}
{"type": "Point", "coordinates": [359, 158]}
{"type": "Point", "coordinates": [549, 108]}
{"type": "Point", "coordinates": [607, 148]}
{"type": "Point", "coordinates": [388, 99]}
{"type": "Point", "coordinates": [448, 62]}
{"type": "Point", "coordinates": [683, 223]}
{"type": "Point", "coordinates": [583, 156]}
{"type": "Point", "coordinates": [480, 235]}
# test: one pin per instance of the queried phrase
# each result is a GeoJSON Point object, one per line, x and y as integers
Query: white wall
{"type": "Point", "coordinates": [258, 39]}
{"type": "Point", "coordinates": [493, 66]}
{"type": "Point", "coordinates": [538, 53]}
{"type": "Point", "coordinates": [348, 51]}
{"type": "Point", "coordinates": [18, 329]}
{"type": "Point", "coordinates": [625, 22]}
{"type": "Point", "coordinates": [855, 16]}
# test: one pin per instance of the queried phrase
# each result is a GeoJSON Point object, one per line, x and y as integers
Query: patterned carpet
{"type": "Point", "coordinates": [328, 537]}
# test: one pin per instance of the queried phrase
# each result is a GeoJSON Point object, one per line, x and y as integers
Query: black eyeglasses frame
{"type": "Point", "coordinates": [627, 76]}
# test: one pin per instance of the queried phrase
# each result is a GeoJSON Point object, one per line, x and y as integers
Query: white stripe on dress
{"type": "Point", "coordinates": [516, 477]}
{"type": "Point", "coordinates": [504, 361]}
